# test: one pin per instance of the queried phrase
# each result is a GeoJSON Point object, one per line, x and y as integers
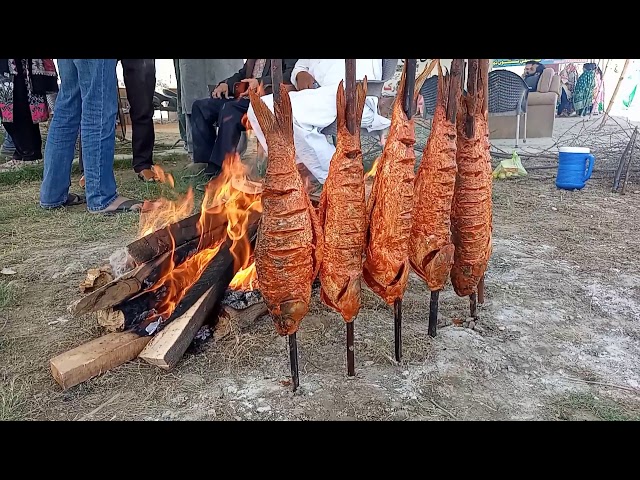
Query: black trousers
{"type": "Point", "coordinates": [210, 146]}
{"type": "Point", "coordinates": [140, 81]}
{"type": "Point", "coordinates": [24, 133]}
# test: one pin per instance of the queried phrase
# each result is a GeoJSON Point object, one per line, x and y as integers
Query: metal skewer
{"type": "Point", "coordinates": [409, 109]}
{"type": "Point", "coordinates": [350, 93]}
{"type": "Point", "coordinates": [455, 82]}
{"type": "Point", "coordinates": [276, 80]}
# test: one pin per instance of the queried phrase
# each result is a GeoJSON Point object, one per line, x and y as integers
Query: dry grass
{"type": "Point", "coordinates": [586, 406]}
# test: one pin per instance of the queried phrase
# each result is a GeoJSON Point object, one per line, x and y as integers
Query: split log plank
{"type": "Point", "coordinates": [96, 357]}
{"type": "Point", "coordinates": [170, 343]}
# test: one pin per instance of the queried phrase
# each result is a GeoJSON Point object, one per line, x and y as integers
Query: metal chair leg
{"type": "Point", "coordinates": [517, 129]}
{"type": "Point", "coordinates": [524, 140]}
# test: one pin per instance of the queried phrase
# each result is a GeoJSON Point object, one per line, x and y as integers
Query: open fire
{"type": "Point", "coordinates": [231, 195]}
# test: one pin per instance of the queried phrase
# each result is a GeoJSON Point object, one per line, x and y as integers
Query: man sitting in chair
{"type": "Point", "coordinates": [225, 109]}
{"type": "Point", "coordinates": [314, 107]}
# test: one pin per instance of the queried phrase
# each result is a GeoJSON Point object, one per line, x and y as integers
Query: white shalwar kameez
{"type": "Point", "coordinates": [315, 109]}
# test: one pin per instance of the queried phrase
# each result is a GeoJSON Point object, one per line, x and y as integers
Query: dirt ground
{"type": "Point", "coordinates": [558, 336]}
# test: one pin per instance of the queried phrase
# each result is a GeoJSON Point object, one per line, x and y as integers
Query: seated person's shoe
{"type": "Point", "coordinates": [212, 171]}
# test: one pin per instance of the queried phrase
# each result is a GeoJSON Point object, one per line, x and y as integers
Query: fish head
{"type": "Point", "coordinates": [289, 315]}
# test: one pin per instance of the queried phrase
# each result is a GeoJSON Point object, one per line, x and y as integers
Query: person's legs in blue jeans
{"type": "Point", "coordinates": [98, 84]}
{"type": "Point", "coordinates": [87, 99]}
{"type": "Point", "coordinates": [61, 139]}
{"type": "Point", "coordinates": [7, 146]}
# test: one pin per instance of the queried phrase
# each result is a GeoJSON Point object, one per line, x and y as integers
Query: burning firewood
{"type": "Point", "coordinates": [431, 250]}
{"type": "Point", "coordinates": [96, 278]}
{"type": "Point", "coordinates": [386, 268]}
{"type": "Point", "coordinates": [289, 245]}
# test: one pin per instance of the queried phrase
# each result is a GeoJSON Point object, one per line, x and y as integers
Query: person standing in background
{"type": "Point", "coordinates": [140, 81]}
{"type": "Point", "coordinates": [87, 103]}
{"type": "Point", "coordinates": [181, 117]}
{"type": "Point", "coordinates": [24, 85]}
{"type": "Point", "coordinates": [8, 148]}
{"type": "Point", "coordinates": [196, 74]}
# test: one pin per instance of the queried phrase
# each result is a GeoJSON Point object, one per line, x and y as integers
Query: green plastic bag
{"type": "Point", "coordinates": [510, 168]}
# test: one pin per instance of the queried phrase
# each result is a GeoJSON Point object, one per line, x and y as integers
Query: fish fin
{"type": "Point", "coordinates": [397, 103]}
{"type": "Point", "coordinates": [361, 97]}
{"type": "Point", "coordinates": [341, 107]}
{"type": "Point", "coordinates": [322, 208]}
{"type": "Point", "coordinates": [265, 117]}
{"type": "Point", "coordinates": [284, 117]}
{"type": "Point", "coordinates": [437, 270]}
{"type": "Point", "coordinates": [318, 238]}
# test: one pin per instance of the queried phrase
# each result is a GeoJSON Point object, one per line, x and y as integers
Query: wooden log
{"type": "Point", "coordinates": [231, 319]}
{"type": "Point", "coordinates": [144, 276]}
{"type": "Point", "coordinates": [96, 278]}
{"type": "Point", "coordinates": [140, 312]}
{"type": "Point", "coordinates": [111, 320]}
{"type": "Point", "coordinates": [96, 357]}
{"type": "Point", "coordinates": [172, 236]}
{"type": "Point", "coordinates": [168, 346]}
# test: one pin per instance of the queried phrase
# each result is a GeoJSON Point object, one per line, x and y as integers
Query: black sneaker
{"type": "Point", "coordinates": [212, 171]}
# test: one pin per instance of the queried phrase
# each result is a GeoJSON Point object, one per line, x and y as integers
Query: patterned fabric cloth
{"type": "Point", "coordinates": [585, 87]}
{"type": "Point", "coordinates": [40, 77]}
{"type": "Point", "coordinates": [258, 68]}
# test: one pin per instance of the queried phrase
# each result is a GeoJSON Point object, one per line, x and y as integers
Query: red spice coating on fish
{"type": "Point", "coordinates": [343, 215]}
{"type": "Point", "coordinates": [472, 207]}
{"type": "Point", "coordinates": [390, 205]}
{"type": "Point", "coordinates": [289, 244]}
{"type": "Point", "coordinates": [431, 251]}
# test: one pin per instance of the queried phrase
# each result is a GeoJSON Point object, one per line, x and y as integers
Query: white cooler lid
{"type": "Point", "coordinates": [574, 150]}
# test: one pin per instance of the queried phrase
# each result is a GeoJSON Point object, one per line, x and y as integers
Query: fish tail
{"type": "Point", "coordinates": [283, 114]}
{"type": "Point", "coordinates": [265, 117]}
{"type": "Point", "coordinates": [361, 96]}
{"type": "Point", "coordinates": [341, 104]}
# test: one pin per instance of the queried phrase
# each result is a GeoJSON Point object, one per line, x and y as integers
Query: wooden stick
{"type": "Point", "coordinates": [397, 328]}
{"type": "Point", "coordinates": [351, 362]}
{"type": "Point", "coordinates": [620, 168]}
{"type": "Point", "coordinates": [433, 313]}
{"type": "Point", "coordinates": [96, 357]}
{"type": "Point", "coordinates": [481, 291]}
{"type": "Point", "coordinates": [276, 78]}
{"type": "Point", "coordinates": [230, 319]}
{"type": "Point", "coordinates": [615, 91]}
{"type": "Point", "coordinates": [473, 305]}
{"type": "Point", "coordinates": [350, 93]}
{"type": "Point", "coordinates": [293, 359]}
{"type": "Point", "coordinates": [409, 86]}
{"type": "Point", "coordinates": [628, 168]}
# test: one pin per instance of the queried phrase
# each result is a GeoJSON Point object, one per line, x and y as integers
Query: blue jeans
{"type": "Point", "coordinates": [87, 102]}
{"type": "Point", "coordinates": [8, 142]}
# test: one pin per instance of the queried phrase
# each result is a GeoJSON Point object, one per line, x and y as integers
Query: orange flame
{"type": "Point", "coordinates": [246, 279]}
{"type": "Point", "coordinates": [374, 168]}
{"type": "Point", "coordinates": [232, 196]}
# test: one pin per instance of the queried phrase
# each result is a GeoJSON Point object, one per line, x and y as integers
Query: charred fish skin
{"type": "Point", "coordinates": [288, 249]}
{"type": "Point", "coordinates": [342, 215]}
{"type": "Point", "coordinates": [472, 206]}
{"type": "Point", "coordinates": [390, 205]}
{"type": "Point", "coordinates": [431, 251]}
